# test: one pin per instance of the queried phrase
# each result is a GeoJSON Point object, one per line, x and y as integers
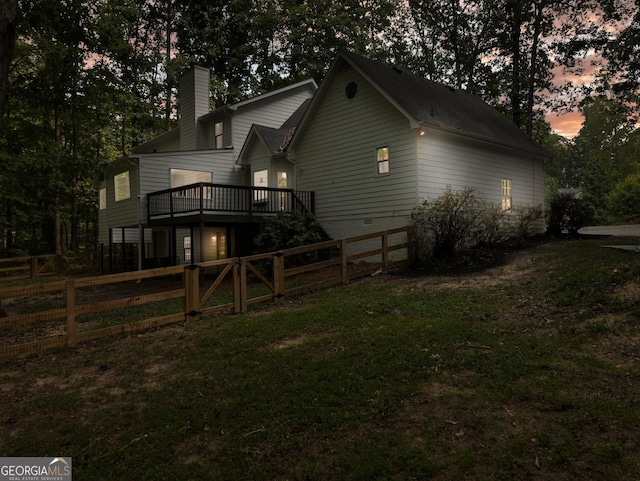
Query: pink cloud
{"type": "Point", "coordinates": [566, 124]}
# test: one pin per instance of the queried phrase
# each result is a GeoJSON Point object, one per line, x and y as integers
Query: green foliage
{"type": "Point", "coordinates": [286, 230]}
{"type": "Point", "coordinates": [624, 201]}
{"type": "Point", "coordinates": [567, 213]}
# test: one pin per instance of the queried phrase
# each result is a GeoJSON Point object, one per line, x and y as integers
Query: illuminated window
{"type": "Point", "coordinates": [181, 177]}
{"type": "Point", "coordinates": [282, 196]}
{"type": "Point", "coordinates": [121, 186]}
{"type": "Point", "coordinates": [382, 157]}
{"type": "Point", "coordinates": [187, 249]}
{"type": "Point", "coordinates": [218, 132]}
{"type": "Point", "coordinates": [103, 199]}
{"type": "Point", "coordinates": [506, 194]}
{"type": "Point", "coordinates": [260, 180]}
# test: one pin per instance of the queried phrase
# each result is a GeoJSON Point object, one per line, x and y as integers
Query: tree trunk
{"type": "Point", "coordinates": [8, 14]}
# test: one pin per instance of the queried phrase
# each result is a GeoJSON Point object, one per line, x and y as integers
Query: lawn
{"type": "Point", "coordinates": [526, 370]}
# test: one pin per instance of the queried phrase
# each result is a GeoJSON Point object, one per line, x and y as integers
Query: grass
{"type": "Point", "coordinates": [525, 371]}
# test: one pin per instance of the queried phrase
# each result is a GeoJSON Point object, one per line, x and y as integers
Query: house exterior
{"type": "Point", "coordinates": [181, 197]}
{"type": "Point", "coordinates": [373, 142]}
{"type": "Point", "coordinates": [377, 140]}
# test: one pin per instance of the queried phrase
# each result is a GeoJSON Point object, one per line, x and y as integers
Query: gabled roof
{"type": "Point", "coordinates": [276, 140]}
{"type": "Point", "coordinates": [433, 105]}
{"type": "Point", "coordinates": [259, 98]}
{"type": "Point", "coordinates": [226, 109]}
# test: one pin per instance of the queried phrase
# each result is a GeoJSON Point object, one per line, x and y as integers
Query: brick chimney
{"type": "Point", "coordinates": [193, 92]}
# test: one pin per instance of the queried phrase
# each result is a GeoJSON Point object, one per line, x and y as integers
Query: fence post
{"type": "Point", "coordinates": [237, 287]}
{"type": "Point", "coordinates": [192, 292]}
{"type": "Point", "coordinates": [343, 260]}
{"type": "Point", "coordinates": [278, 276]}
{"type": "Point", "coordinates": [243, 286]}
{"type": "Point", "coordinates": [71, 313]}
{"type": "Point", "coordinates": [34, 267]}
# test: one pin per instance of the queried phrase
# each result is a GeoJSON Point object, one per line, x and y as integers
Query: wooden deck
{"type": "Point", "coordinates": [211, 199]}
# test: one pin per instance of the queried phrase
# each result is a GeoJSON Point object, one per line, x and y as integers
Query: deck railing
{"type": "Point", "coordinates": [205, 198]}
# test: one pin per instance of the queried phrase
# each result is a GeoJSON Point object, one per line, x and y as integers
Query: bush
{"type": "Point", "coordinates": [498, 227]}
{"type": "Point", "coordinates": [567, 213]}
{"type": "Point", "coordinates": [286, 230]}
{"type": "Point", "coordinates": [494, 226]}
{"type": "Point", "coordinates": [446, 226]}
{"type": "Point", "coordinates": [525, 221]}
{"type": "Point", "coordinates": [623, 203]}
{"type": "Point", "coordinates": [456, 221]}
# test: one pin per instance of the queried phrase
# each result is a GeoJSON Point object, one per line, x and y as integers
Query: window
{"type": "Point", "coordinates": [506, 194]}
{"type": "Point", "coordinates": [181, 177]}
{"type": "Point", "coordinates": [351, 90]}
{"type": "Point", "coordinates": [260, 180]}
{"type": "Point", "coordinates": [121, 186]}
{"type": "Point", "coordinates": [187, 248]}
{"type": "Point", "coordinates": [282, 196]}
{"type": "Point", "coordinates": [382, 158]}
{"type": "Point", "coordinates": [218, 132]}
{"type": "Point", "coordinates": [102, 201]}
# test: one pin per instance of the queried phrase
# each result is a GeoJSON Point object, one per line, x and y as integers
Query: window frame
{"type": "Point", "coordinates": [383, 164]}
{"type": "Point", "coordinates": [102, 198]}
{"type": "Point", "coordinates": [506, 195]}
{"type": "Point", "coordinates": [260, 195]}
{"type": "Point", "coordinates": [218, 135]}
{"type": "Point", "coordinates": [122, 186]}
{"type": "Point", "coordinates": [187, 248]}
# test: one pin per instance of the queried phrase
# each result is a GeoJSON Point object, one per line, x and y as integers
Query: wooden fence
{"type": "Point", "coordinates": [64, 313]}
{"type": "Point", "coordinates": [31, 267]}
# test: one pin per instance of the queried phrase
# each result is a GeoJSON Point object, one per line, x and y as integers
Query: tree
{"type": "Point", "coordinates": [8, 14]}
{"type": "Point", "coordinates": [458, 36]}
{"type": "Point", "coordinates": [598, 161]}
{"type": "Point", "coordinates": [624, 200]}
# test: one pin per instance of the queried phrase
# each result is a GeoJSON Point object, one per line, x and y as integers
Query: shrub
{"type": "Point", "coordinates": [567, 213]}
{"type": "Point", "coordinates": [455, 221]}
{"type": "Point", "coordinates": [444, 227]}
{"type": "Point", "coordinates": [286, 230]}
{"type": "Point", "coordinates": [525, 220]}
{"type": "Point", "coordinates": [623, 203]}
{"type": "Point", "coordinates": [494, 226]}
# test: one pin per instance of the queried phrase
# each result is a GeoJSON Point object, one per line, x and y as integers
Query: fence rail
{"type": "Point", "coordinates": [65, 313]}
{"type": "Point", "coordinates": [31, 267]}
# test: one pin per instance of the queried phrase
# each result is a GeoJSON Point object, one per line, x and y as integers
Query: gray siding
{"type": "Point", "coordinates": [156, 169]}
{"type": "Point", "coordinates": [259, 158]}
{"type": "Point", "coordinates": [194, 103]}
{"type": "Point", "coordinates": [123, 213]}
{"type": "Point", "coordinates": [273, 112]}
{"type": "Point", "coordinates": [446, 159]}
{"type": "Point", "coordinates": [336, 158]}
